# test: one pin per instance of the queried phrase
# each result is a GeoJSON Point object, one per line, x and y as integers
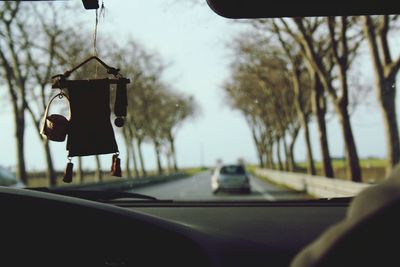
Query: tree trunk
{"type": "Point", "coordinates": [259, 148]}
{"type": "Point", "coordinates": [134, 160]}
{"type": "Point", "coordinates": [387, 99]}
{"type": "Point", "coordinates": [128, 160]}
{"type": "Point", "coordinates": [319, 108]}
{"type": "Point", "coordinates": [271, 163]}
{"type": "Point", "coordinates": [50, 173]}
{"type": "Point", "coordinates": [310, 158]}
{"type": "Point", "coordinates": [278, 154]}
{"type": "Point", "coordinates": [291, 150]}
{"type": "Point", "coordinates": [173, 153]}
{"type": "Point", "coordinates": [303, 120]}
{"type": "Point", "coordinates": [98, 174]}
{"type": "Point", "coordinates": [142, 166]}
{"type": "Point", "coordinates": [268, 160]}
{"type": "Point", "coordinates": [258, 144]}
{"type": "Point", "coordinates": [126, 133]}
{"type": "Point", "coordinates": [353, 170]}
{"type": "Point", "coordinates": [158, 157]}
{"type": "Point", "coordinates": [19, 120]}
{"type": "Point", "coordinates": [265, 159]}
{"type": "Point", "coordinates": [169, 162]}
{"type": "Point", "coordinates": [287, 157]}
{"type": "Point", "coordinates": [260, 159]}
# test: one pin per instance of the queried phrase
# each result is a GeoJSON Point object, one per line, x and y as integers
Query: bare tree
{"type": "Point", "coordinates": [342, 56]}
{"type": "Point", "coordinates": [260, 88]}
{"type": "Point", "coordinates": [15, 75]}
{"type": "Point", "coordinates": [176, 109]}
{"type": "Point", "coordinates": [302, 93]}
{"type": "Point", "coordinates": [306, 87]}
{"type": "Point", "coordinates": [42, 40]}
{"type": "Point", "coordinates": [385, 70]}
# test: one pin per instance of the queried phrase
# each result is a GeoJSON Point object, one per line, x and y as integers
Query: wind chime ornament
{"type": "Point", "coordinates": [55, 126]}
{"type": "Point", "coordinates": [89, 130]}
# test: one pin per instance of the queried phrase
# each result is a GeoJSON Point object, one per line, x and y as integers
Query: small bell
{"type": "Point", "coordinates": [116, 166]}
{"type": "Point", "coordinates": [119, 122]}
{"type": "Point", "coordinates": [69, 172]}
{"type": "Point", "coordinates": [113, 160]}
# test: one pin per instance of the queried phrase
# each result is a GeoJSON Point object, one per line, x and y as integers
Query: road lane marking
{"type": "Point", "coordinates": [261, 190]}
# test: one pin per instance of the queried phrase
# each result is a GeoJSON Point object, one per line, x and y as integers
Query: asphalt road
{"type": "Point", "coordinates": [198, 187]}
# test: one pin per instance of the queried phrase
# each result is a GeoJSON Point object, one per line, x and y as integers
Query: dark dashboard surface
{"type": "Point", "coordinates": [253, 235]}
{"type": "Point", "coordinates": [51, 230]}
{"type": "Point", "coordinates": [281, 226]}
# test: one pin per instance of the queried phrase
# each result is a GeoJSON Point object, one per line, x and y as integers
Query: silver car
{"type": "Point", "coordinates": [230, 178]}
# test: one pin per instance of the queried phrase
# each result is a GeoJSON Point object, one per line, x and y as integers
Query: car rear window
{"type": "Point", "coordinates": [232, 170]}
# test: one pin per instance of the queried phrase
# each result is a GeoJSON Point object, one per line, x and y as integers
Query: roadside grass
{"type": "Point", "coordinates": [373, 170]}
{"type": "Point", "coordinates": [193, 170]}
{"type": "Point", "coordinates": [338, 163]}
{"type": "Point", "coordinates": [251, 168]}
{"type": "Point", "coordinates": [40, 180]}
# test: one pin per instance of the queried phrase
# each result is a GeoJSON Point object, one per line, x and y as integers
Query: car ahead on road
{"type": "Point", "coordinates": [230, 178]}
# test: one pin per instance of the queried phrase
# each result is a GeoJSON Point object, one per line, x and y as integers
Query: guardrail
{"type": "Point", "coordinates": [317, 186]}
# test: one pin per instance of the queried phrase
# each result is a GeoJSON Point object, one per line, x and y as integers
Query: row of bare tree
{"type": "Point", "coordinates": [289, 71]}
{"type": "Point", "coordinates": [36, 42]}
{"type": "Point", "coordinates": [156, 111]}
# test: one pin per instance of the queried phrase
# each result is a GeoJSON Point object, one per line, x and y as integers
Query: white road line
{"type": "Point", "coordinates": [261, 190]}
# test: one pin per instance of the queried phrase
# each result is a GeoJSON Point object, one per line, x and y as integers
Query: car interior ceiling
{"type": "Point", "coordinates": [74, 232]}
{"type": "Point", "coordinates": [238, 9]}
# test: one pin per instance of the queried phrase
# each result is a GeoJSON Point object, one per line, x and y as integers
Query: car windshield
{"type": "Point", "coordinates": [176, 91]}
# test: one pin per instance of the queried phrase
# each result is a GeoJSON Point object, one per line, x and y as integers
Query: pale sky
{"type": "Point", "coordinates": [194, 40]}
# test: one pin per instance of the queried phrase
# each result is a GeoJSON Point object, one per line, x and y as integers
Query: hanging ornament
{"type": "Point", "coordinates": [69, 172]}
{"type": "Point", "coordinates": [89, 130]}
{"type": "Point", "coordinates": [116, 166]}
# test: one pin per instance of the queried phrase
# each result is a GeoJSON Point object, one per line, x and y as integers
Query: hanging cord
{"type": "Point", "coordinates": [95, 53]}
{"type": "Point", "coordinates": [98, 14]}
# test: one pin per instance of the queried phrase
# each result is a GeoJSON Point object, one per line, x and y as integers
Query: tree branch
{"type": "Point", "coordinates": [369, 30]}
{"type": "Point", "coordinates": [383, 33]}
{"type": "Point", "coordinates": [315, 60]}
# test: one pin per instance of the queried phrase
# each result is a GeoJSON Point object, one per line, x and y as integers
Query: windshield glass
{"type": "Point", "coordinates": [284, 102]}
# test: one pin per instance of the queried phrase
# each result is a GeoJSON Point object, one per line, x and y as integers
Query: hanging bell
{"type": "Point", "coordinates": [112, 162]}
{"type": "Point", "coordinates": [119, 122]}
{"type": "Point", "coordinates": [116, 166]}
{"type": "Point", "coordinates": [69, 172]}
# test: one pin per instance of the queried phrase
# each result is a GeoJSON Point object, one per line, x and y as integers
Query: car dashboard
{"type": "Point", "coordinates": [53, 230]}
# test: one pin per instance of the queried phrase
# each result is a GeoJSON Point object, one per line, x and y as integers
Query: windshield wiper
{"type": "Point", "coordinates": [96, 195]}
